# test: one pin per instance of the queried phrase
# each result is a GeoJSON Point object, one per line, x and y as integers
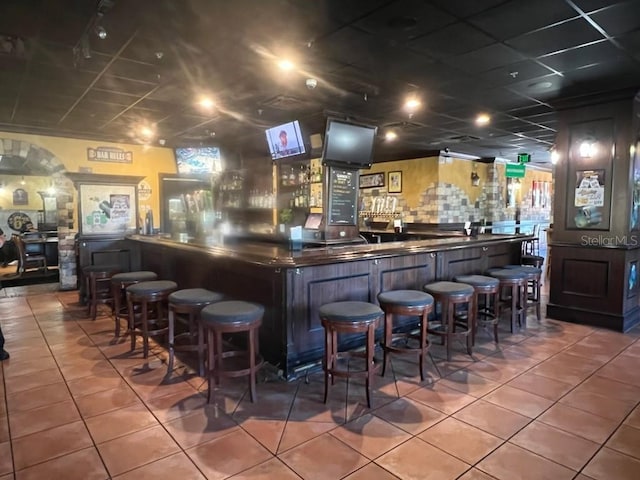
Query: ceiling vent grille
{"type": "Point", "coordinates": [284, 102]}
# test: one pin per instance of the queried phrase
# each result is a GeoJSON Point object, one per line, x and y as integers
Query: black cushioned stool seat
{"type": "Point", "coordinates": [348, 317]}
{"type": "Point", "coordinates": [488, 314]}
{"type": "Point", "coordinates": [534, 260]}
{"type": "Point", "coordinates": [515, 282]}
{"type": "Point", "coordinates": [149, 319]}
{"type": "Point", "coordinates": [119, 284]}
{"type": "Point", "coordinates": [405, 302]}
{"type": "Point", "coordinates": [450, 294]}
{"type": "Point", "coordinates": [232, 316]}
{"type": "Point", "coordinates": [185, 306]}
{"type": "Point", "coordinates": [98, 286]}
{"type": "Point", "coordinates": [534, 282]}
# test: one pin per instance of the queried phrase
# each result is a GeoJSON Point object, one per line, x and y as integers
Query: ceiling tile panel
{"type": "Point", "coordinates": [486, 58]}
{"type": "Point", "coordinates": [619, 19]}
{"type": "Point", "coordinates": [453, 39]}
{"type": "Point", "coordinates": [582, 56]}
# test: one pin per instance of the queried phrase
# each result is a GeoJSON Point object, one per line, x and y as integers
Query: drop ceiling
{"type": "Point", "coordinates": [511, 59]}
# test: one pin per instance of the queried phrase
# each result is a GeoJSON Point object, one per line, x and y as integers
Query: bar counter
{"type": "Point", "coordinates": [293, 284]}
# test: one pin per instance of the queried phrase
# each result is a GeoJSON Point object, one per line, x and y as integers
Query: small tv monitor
{"type": "Point", "coordinates": [285, 140]}
{"type": "Point", "coordinates": [348, 144]}
{"type": "Point", "coordinates": [313, 222]}
{"type": "Point", "coordinates": [198, 160]}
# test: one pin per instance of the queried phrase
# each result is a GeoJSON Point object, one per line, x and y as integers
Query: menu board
{"type": "Point", "coordinates": [342, 197]}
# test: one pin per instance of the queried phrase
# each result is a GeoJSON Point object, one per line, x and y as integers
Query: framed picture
{"type": "Point", "coordinates": [371, 180]}
{"type": "Point", "coordinates": [395, 182]}
{"type": "Point", "coordinates": [107, 209]}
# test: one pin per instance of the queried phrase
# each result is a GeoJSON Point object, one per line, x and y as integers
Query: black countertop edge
{"type": "Point", "coordinates": [279, 256]}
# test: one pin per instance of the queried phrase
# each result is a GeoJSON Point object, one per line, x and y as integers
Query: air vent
{"type": "Point", "coordinates": [284, 102]}
{"type": "Point", "coordinates": [405, 125]}
{"type": "Point", "coordinates": [463, 138]}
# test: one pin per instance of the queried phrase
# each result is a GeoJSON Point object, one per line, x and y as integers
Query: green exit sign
{"type": "Point", "coordinates": [515, 170]}
{"type": "Point", "coordinates": [524, 157]}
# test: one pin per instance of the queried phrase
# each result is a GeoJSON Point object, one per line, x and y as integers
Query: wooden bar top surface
{"type": "Point", "coordinates": [278, 255]}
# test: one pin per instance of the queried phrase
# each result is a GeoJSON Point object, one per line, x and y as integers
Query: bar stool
{"type": "Point", "coordinates": [405, 302]}
{"type": "Point", "coordinates": [98, 286]}
{"type": "Point", "coordinates": [232, 316]}
{"type": "Point", "coordinates": [534, 280]}
{"type": "Point", "coordinates": [348, 317]}
{"type": "Point", "coordinates": [185, 306]}
{"type": "Point", "coordinates": [515, 281]}
{"type": "Point", "coordinates": [488, 314]}
{"type": "Point", "coordinates": [119, 284]}
{"type": "Point", "coordinates": [151, 297]}
{"type": "Point", "coordinates": [450, 294]}
{"type": "Point", "coordinates": [533, 260]}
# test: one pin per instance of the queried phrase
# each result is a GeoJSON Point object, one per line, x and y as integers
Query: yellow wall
{"type": "Point", "coordinates": [458, 173]}
{"type": "Point", "coordinates": [32, 185]}
{"type": "Point", "coordinates": [417, 174]}
{"type": "Point", "coordinates": [72, 153]}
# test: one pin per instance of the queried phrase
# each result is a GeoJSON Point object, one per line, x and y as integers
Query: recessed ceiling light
{"type": "Point", "coordinates": [412, 103]}
{"type": "Point", "coordinates": [285, 65]}
{"type": "Point", "coordinates": [540, 85]}
{"type": "Point", "coordinates": [482, 119]}
{"type": "Point", "coordinates": [206, 103]}
{"type": "Point", "coordinates": [390, 136]}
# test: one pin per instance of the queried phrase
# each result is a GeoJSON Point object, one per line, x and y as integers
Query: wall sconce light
{"type": "Point", "coordinates": [475, 179]}
{"type": "Point", "coordinates": [555, 156]}
{"type": "Point", "coordinates": [588, 148]}
{"type": "Point", "coordinates": [22, 182]}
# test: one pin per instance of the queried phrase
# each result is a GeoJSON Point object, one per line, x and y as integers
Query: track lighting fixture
{"type": "Point", "coordinates": [101, 32]}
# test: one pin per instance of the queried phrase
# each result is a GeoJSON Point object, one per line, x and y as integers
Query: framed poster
{"type": "Point", "coordinates": [371, 180]}
{"type": "Point", "coordinates": [107, 209]}
{"type": "Point", "coordinates": [395, 182]}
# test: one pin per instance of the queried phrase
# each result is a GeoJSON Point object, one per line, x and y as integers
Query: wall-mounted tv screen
{"type": "Point", "coordinates": [348, 144]}
{"type": "Point", "coordinates": [198, 160]}
{"type": "Point", "coordinates": [285, 140]}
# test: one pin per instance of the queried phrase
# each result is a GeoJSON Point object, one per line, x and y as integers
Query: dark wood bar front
{"type": "Point", "coordinates": [292, 285]}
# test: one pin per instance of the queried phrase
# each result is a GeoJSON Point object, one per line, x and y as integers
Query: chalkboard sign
{"type": "Point", "coordinates": [342, 197]}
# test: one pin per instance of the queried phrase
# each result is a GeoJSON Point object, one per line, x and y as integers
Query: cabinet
{"type": "Point", "coordinates": [299, 190]}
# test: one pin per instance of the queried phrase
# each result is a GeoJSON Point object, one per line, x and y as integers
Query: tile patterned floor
{"type": "Point", "coordinates": [558, 401]}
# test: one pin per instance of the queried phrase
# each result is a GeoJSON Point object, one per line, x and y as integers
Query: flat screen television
{"type": "Point", "coordinates": [348, 144]}
{"type": "Point", "coordinates": [285, 140]}
{"type": "Point", "coordinates": [198, 160]}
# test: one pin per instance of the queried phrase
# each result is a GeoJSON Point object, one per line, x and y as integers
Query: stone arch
{"type": "Point", "coordinates": [39, 158]}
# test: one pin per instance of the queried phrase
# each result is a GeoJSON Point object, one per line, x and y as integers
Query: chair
{"type": "Point", "coordinates": [98, 285]}
{"type": "Point", "coordinates": [532, 245]}
{"type": "Point", "coordinates": [348, 317]}
{"type": "Point", "coordinates": [489, 313]}
{"type": "Point", "coordinates": [515, 282]}
{"type": "Point", "coordinates": [119, 284]}
{"type": "Point", "coordinates": [28, 261]}
{"type": "Point", "coordinates": [232, 316]}
{"type": "Point", "coordinates": [449, 295]}
{"type": "Point", "coordinates": [405, 302]}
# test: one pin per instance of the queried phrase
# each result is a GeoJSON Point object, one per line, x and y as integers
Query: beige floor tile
{"type": "Point", "coordinates": [493, 419]}
{"type": "Point", "coordinates": [38, 397]}
{"type": "Point", "coordinates": [370, 435]}
{"type": "Point", "coordinates": [626, 440]}
{"type": "Point", "coordinates": [228, 455]}
{"type": "Point", "coordinates": [581, 423]}
{"type": "Point", "coordinates": [200, 426]}
{"type": "Point", "coordinates": [442, 398]}
{"type": "Point", "coordinates": [117, 423]}
{"type": "Point", "coordinates": [106, 401]}
{"type": "Point", "coordinates": [634, 418]}
{"type": "Point", "coordinates": [324, 457]}
{"type": "Point", "coordinates": [371, 471]}
{"type": "Point", "coordinates": [610, 388]}
{"type": "Point", "coordinates": [461, 440]}
{"type": "Point", "coordinates": [475, 474]}
{"type": "Point", "coordinates": [22, 383]}
{"type": "Point", "coordinates": [555, 444]}
{"type": "Point", "coordinates": [175, 405]}
{"type": "Point", "coordinates": [176, 466]}
{"type": "Point", "coordinates": [601, 405]}
{"type": "Point", "coordinates": [427, 462]}
{"type": "Point", "coordinates": [136, 449]}
{"type": "Point", "coordinates": [267, 432]}
{"type": "Point", "coordinates": [81, 465]}
{"type": "Point", "coordinates": [296, 433]}
{"type": "Point", "coordinates": [409, 415]}
{"type": "Point", "coordinates": [6, 458]}
{"type": "Point", "coordinates": [4, 429]}
{"type": "Point", "coordinates": [42, 418]}
{"type": "Point", "coordinates": [609, 464]}
{"type": "Point", "coordinates": [541, 386]}
{"type": "Point", "coordinates": [104, 380]}
{"type": "Point", "coordinates": [519, 401]}
{"type": "Point", "coordinates": [510, 462]}
{"type": "Point", "coordinates": [271, 469]}
{"type": "Point", "coordinates": [47, 444]}
{"type": "Point", "coordinates": [469, 383]}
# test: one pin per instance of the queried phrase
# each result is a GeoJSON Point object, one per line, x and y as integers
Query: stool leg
{"type": "Point", "coordinates": [201, 347]}
{"type": "Point", "coordinates": [388, 337]}
{"type": "Point", "coordinates": [328, 353]}
{"type": "Point", "coordinates": [423, 341]}
{"type": "Point", "coordinates": [132, 320]}
{"type": "Point", "coordinates": [523, 302]}
{"type": "Point", "coordinates": [210, 365]}
{"type": "Point", "coordinates": [537, 297]}
{"type": "Point", "coordinates": [371, 333]}
{"type": "Point", "coordinates": [496, 312]}
{"type": "Point", "coordinates": [515, 294]}
{"type": "Point", "coordinates": [471, 320]}
{"type": "Point", "coordinates": [171, 334]}
{"type": "Point", "coordinates": [219, 353]}
{"type": "Point", "coordinates": [117, 294]}
{"type": "Point", "coordinates": [252, 364]}
{"type": "Point", "coordinates": [145, 329]}
{"type": "Point", "coordinates": [447, 316]}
